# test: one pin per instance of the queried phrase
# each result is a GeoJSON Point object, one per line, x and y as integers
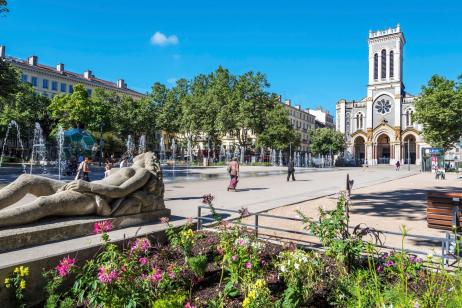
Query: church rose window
{"type": "Point", "coordinates": [383, 106]}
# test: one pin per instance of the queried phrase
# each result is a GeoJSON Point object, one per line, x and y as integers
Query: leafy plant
{"type": "Point", "coordinates": [334, 233]}
{"type": "Point", "coordinates": [17, 282]}
{"type": "Point", "coordinates": [301, 272]}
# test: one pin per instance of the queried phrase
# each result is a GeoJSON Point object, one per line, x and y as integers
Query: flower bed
{"type": "Point", "coordinates": [232, 268]}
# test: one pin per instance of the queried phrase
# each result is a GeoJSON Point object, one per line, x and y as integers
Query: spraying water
{"type": "Point", "coordinates": [280, 158]}
{"type": "Point", "coordinates": [173, 148]}
{"type": "Point", "coordinates": [142, 144]}
{"type": "Point", "coordinates": [39, 150]}
{"type": "Point", "coordinates": [262, 155]}
{"type": "Point", "coordinates": [18, 140]}
{"type": "Point", "coordinates": [130, 148]}
{"type": "Point", "coordinates": [162, 149]}
{"type": "Point", "coordinates": [60, 139]}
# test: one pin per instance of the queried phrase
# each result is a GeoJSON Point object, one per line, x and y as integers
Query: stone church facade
{"type": "Point", "coordinates": [379, 127]}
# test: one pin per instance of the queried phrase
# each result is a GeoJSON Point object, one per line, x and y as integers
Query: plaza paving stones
{"type": "Point", "coordinates": [384, 206]}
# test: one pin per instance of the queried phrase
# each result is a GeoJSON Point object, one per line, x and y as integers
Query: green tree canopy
{"type": "Point", "coordinates": [73, 110]}
{"type": "Point", "coordinates": [9, 81]}
{"type": "Point", "coordinates": [245, 111]}
{"type": "Point", "coordinates": [325, 140]}
{"type": "Point", "coordinates": [279, 132]}
{"type": "Point", "coordinates": [439, 109]}
{"type": "Point", "coordinates": [25, 107]}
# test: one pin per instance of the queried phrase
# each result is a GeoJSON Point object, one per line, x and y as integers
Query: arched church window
{"type": "Point", "coordinates": [384, 64]}
{"type": "Point", "coordinates": [392, 63]}
{"type": "Point", "coordinates": [376, 66]}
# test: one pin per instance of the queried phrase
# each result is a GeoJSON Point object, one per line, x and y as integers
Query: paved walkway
{"type": "Point", "coordinates": [385, 206]}
{"type": "Point", "coordinates": [268, 192]}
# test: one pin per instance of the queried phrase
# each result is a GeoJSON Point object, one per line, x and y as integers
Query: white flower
{"type": "Point", "coordinates": [283, 268]}
{"type": "Point", "coordinates": [296, 266]}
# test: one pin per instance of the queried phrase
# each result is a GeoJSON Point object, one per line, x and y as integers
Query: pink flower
{"type": "Point", "coordinates": [171, 275]}
{"type": "Point", "coordinates": [102, 227]}
{"type": "Point", "coordinates": [389, 263]}
{"type": "Point", "coordinates": [248, 265]}
{"type": "Point", "coordinates": [156, 275]}
{"type": "Point", "coordinates": [379, 269]}
{"type": "Point", "coordinates": [141, 245]}
{"type": "Point", "coordinates": [64, 266]}
{"type": "Point", "coordinates": [241, 242]}
{"type": "Point", "coordinates": [262, 262]}
{"type": "Point", "coordinates": [143, 261]}
{"type": "Point", "coordinates": [107, 275]}
{"type": "Point", "coordinates": [164, 220]}
{"type": "Point", "coordinates": [188, 305]}
{"type": "Point", "coordinates": [234, 258]}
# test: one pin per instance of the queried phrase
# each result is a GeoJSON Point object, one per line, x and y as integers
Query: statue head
{"type": "Point", "coordinates": [148, 161]}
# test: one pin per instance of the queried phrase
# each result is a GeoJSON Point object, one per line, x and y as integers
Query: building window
{"type": "Point", "coordinates": [24, 78]}
{"type": "Point", "coordinates": [392, 64]}
{"type": "Point", "coordinates": [376, 66]}
{"type": "Point", "coordinates": [34, 81]}
{"type": "Point", "coordinates": [45, 83]}
{"type": "Point", "coordinates": [384, 64]}
{"type": "Point", "coordinates": [63, 87]}
{"type": "Point", "coordinates": [71, 88]}
{"type": "Point", "coordinates": [54, 85]}
{"type": "Point", "coordinates": [89, 92]}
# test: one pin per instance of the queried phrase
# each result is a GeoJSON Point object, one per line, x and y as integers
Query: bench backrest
{"type": "Point", "coordinates": [443, 210]}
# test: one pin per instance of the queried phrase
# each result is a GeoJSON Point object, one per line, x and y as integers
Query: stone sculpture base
{"type": "Point", "coordinates": [58, 229]}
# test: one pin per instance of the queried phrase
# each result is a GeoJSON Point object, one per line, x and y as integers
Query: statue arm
{"type": "Point", "coordinates": [112, 191]}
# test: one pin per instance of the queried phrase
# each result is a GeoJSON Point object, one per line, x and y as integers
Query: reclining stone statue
{"type": "Point", "coordinates": [125, 191]}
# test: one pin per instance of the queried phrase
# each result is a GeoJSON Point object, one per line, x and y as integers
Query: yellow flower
{"type": "Point", "coordinates": [246, 302]}
{"type": "Point", "coordinates": [260, 283]}
{"type": "Point", "coordinates": [23, 271]}
{"type": "Point", "coordinates": [16, 270]}
{"type": "Point", "coordinates": [22, 284]}
{"type": "Point", "coordinates": [7, 282]}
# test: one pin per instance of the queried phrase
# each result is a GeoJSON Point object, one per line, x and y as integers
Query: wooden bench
{"type": "Point", "coordinates": [443, 210]}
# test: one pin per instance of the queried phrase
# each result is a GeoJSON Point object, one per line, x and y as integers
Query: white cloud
{"type": "Point", "coordinates": [161, 39]}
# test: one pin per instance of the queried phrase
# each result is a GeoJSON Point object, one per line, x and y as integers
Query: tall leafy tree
{"type": "Point", "coordinates": [192, 108]}
{"type": "Point", "coordinates": [217, 97]}
{"type": "Point", "coordinates": [244, 114]}
{"type": "Point", "coordinates": [25, 107]}
{"type": "Point", "coordinates": [278, 133]}
{"type": "Point", "coordinates": [169, 111]}
{"type": "Point", "coordinates": [439, 109]}
{"type": "Point", "coordinates": [325, 140]}
{"type": "Point", "coordinates": [9, 81]}
{"type": "Point", "coordinates": [73, 110]}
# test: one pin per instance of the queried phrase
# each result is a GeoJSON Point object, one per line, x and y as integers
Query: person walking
{"type": "Point", "coordinates": [233, 170]}
{"type": "Point", "coordinates": [83, 172]}
{"type": "Point", "coordinates": [397, 165]}
{"type": "Point", "coordinates": [291, 170]}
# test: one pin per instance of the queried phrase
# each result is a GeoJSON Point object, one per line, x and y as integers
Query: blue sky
{"type": "Point", "coordinates": [313, 52]}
